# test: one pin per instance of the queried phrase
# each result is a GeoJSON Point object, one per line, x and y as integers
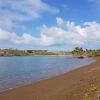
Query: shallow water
{"type": "Point", "coordinates": [19, 71]}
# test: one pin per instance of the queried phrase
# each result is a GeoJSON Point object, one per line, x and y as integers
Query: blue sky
{"type": "Point", "coordinates": [50, 24]}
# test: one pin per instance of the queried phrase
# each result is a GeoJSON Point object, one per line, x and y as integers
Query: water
{"type": "Point", "coordinates": [19, 71]}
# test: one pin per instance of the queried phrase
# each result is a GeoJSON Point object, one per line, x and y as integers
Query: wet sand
{"type": "Point", "coordinates": [80, 84]}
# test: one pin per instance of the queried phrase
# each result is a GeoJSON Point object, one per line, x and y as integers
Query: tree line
{"type": "Point", "coordinates": [85, 53]}
{"type": "Point", "coordinates": [77, 52]}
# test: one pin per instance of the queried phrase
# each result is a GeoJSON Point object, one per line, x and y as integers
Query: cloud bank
{"type": "Point", "coordinates": [67, 32]}
{"type": "Point", "coordinates": [13, 38]}
{"type": "Point", "coordinates": [63, 33]}
{"type": "Point", "coordinates": [14, 11]}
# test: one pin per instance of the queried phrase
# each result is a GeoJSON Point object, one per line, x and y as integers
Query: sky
{"type": "Point", "coordinates": [50, 24]}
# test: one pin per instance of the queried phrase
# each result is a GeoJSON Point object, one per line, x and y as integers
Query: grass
{"type": "Point", "coordinates": [93, 92]}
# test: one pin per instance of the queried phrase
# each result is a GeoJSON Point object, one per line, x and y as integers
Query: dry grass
{"type": "Point", "coordinates": [93, 92]}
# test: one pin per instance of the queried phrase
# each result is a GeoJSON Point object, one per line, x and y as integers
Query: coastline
{"type": "Point", "coordinates": [39, 55]}
{"type": "Point", "coordinates": [71, 86]}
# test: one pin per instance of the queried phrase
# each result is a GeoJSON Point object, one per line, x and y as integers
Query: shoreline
{"type": "Point", "coordinates": [39, 55]}
{"type": "Point", "coordinates": [69, 86]}
{"type": "Point", "coordinates": [9, 89]}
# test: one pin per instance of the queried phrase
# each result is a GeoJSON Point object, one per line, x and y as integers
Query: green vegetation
{"type": "Point", "coordinates": [93, 92]}
{"type": "Point", "coordinates": [11, 52]}
{"type": "Point", "coordinates": [29, 51]}
{"type": "Point", "coordinates": [79, 52]}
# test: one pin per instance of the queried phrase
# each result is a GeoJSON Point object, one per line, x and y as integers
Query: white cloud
{"type": "Point", "coordinates": [59, 36]}
{"type": "Point", "coordinates": [24, 39]}
{"type": "Point", "coordinates": [4, 35]}
{"type": "Point", "coordinates": [21, 10]}
{"type": "Point", "coordinates": [70, 33]}
{"type": "Point", "coordinates": [13, 38]}
{"type": "Point", "coordinates": [52, 36]}
{"type": "Point", "coordinates": [67, 34]}
{"type": "Point", "coordinates": [93, 31]}
{"type": "Point", "coordinates": [59, 21]}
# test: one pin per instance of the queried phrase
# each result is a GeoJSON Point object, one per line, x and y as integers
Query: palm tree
{"type": "Point", "coordinates": [78, 51]}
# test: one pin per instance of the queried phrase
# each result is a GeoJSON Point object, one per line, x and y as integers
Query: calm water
{"type": "Point", "coordinates": [19, 71]}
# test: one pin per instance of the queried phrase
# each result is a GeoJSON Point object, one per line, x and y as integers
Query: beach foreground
{"type": "Point", "coordinates": [80, 84]}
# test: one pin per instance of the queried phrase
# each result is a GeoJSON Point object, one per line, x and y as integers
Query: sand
{"type": "Point", "coordinates": [80, 84]}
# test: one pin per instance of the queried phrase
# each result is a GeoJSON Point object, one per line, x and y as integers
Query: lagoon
{"type": "Point", "coordinates": [24, 70]}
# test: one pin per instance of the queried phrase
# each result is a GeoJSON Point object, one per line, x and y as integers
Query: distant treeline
{"type": "Point", "coordinates": [80, 52]}
{"type": "Point", "coordinates": [77, 52]}
{"type": "Point", "coordinates": [11, 52]}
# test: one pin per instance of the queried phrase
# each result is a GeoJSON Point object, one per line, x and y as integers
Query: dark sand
{"type": "Point", "coordinates": [80, 84]}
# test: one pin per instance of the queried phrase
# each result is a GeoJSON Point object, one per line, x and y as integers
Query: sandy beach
{"type": "Point", "coordinates": [80, 84]}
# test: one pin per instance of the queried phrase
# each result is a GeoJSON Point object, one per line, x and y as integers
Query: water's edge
{"type": "Point", "coordinates": [46, 78]}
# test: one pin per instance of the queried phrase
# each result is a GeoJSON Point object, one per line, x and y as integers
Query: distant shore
{"type": "Point", "coordinates": [79, 84]}
{"type": "Point", "coordinates": [39, 55]}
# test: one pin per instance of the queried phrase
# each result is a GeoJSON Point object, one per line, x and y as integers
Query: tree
{"type": "Point", "coordinates": [78, 51]}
